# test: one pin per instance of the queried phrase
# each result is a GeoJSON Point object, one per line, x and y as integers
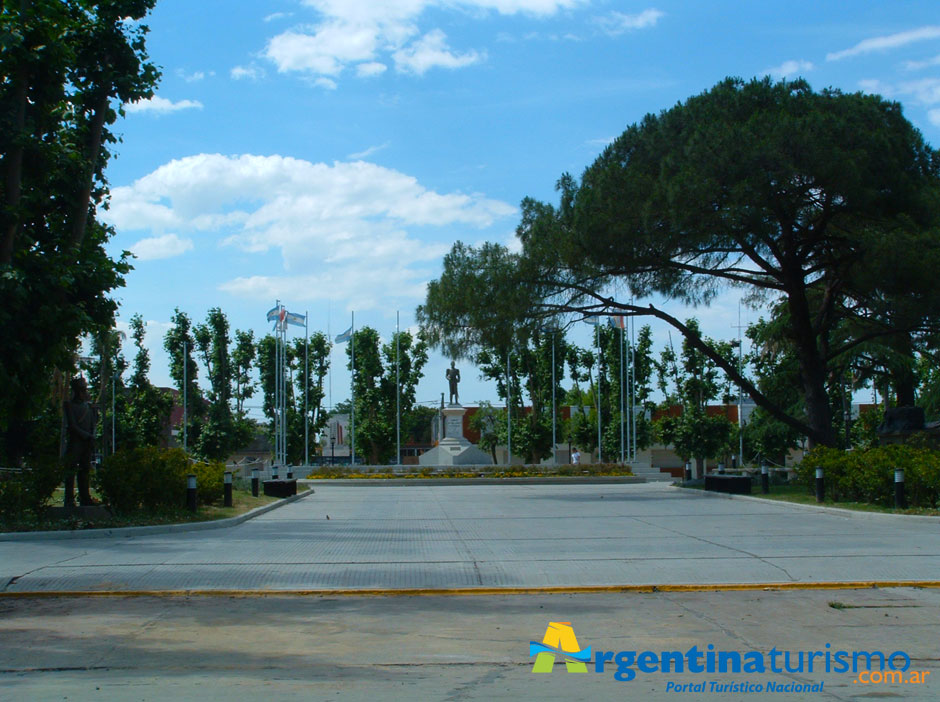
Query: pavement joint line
{"type": "Point", "coordinates": [834, 511]}
{"type": "Point", "coordinates": [107, 532]}
{"type": "Point", "coordinates": [485, 591]}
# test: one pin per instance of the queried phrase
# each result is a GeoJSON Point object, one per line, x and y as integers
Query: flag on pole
{"type": "Point", "coordinates": [344, 337]}
{"type": "Point", "coordinates": [274, 314]}
{"type": "Point", "coordinates": [295, 319]}
{"type": "Point", "coordinates": [593, 319]}
{"type": "Point", "coordinates": [617, 321]}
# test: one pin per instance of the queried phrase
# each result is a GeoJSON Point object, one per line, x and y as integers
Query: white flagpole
{"type": "Point", "coordinates": [397, 387]}
{"type": "Point", "coordinates": [352, 394]}
{"type": "Point", "coordinates": [597, 339]}
{"type": "Point", "coordinates": [508, 412]}
{"type": "Point", "coordinates": [623, 370]}
{"type": "Point", "coordinates": [632, 386]}
{"type": "Point", "coordinates": [306, 391]}
{"type": "Point", "coordinates": [554, 442]}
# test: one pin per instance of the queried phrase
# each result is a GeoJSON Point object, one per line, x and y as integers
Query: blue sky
{"type": "Point", "coordinates": [328, 152]}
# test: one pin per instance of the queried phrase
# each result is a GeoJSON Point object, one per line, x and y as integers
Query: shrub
{"type": "Point", "coordinates": [210, 481]}
{"type": "Point", "coordinates": [868, 475]}
{"type": "Point", "coordinates": [144, 477]}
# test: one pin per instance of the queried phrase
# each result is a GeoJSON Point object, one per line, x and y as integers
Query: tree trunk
{"type": "Point", "coordinates": [13, 177]}
{"type": "Point", "coordinates": [93, 149]}
{"type": "Point", "coordinates": [812, 368]}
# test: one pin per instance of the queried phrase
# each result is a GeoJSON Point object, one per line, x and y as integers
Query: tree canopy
{"type": "Point", "coordinates": [825, 201]}
{"type": "Point", "coordinates": [67, 67]}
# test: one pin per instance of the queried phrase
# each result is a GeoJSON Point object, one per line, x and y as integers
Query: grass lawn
{"type": "Point", "coordinates": [242, 501]}
{"type": "Point", "coordinates": [799, 494]}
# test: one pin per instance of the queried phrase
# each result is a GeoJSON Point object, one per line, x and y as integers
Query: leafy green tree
{"type": "Point", "coordinates": [770, 187]}
{"type": "Point", "coordinates": [693, 433]}
{"type": "Point", "coordinates": [148, 408]}
{"type": "Point", "coordinates": [180, 345]}
{"type": "Point", "coordinates": [375, 389]}
{"type": "Point", "coordinates": [67, 67]}
{"type": "Point", "coordinates": [243, 357]}
{"type": "Point", "coordinates": [319, 364]}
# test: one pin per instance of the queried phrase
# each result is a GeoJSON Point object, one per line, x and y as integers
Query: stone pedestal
{"type": "Point", "coordinates": [454, 449]}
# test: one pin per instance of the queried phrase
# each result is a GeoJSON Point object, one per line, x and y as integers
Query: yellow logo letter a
{"type": "Point", "coordinates": [559, 635]}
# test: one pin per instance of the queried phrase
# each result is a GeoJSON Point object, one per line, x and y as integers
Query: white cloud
{"type": "Point", "coordinates": [338, 227]}
{"type": "Point", "coordinates": [193, 77]}
{"type": "Point", "coordinates": [617, 23]}
{"type": "Point", "coordinates": [368, 152]}
{"type": "Point", "coordinates": [788, 69]}
{"type": "Point", "coordinates": [278, 15]}
{"type": "Point", "coordinates": [367, 34]}
{"type": "Point", "coordinates": [372, 68]}
{"type": "Point", "coordinates": [246, 72]}
{"type": "Point", "coordinates": [432, 51]}
{"type": "Point", "coordinates": [925, 91]}
{"type": "Point", "coordinates": [918, 65]}
{"type": "Point", "coordinates": [934, 117]}
{"type": "Point", "coordinates": [166, 246]}
{"type": "Point", "coordinates": [327, 83]}
{"type": "Point", "coordinates": [889, 41]}
{"type": "Point", "coordinates": [161, 105]}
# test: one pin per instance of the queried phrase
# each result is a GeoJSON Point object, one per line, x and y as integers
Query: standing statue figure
{"type": "Point", "coordinates": [453, 377]}
{"type": "Point", "coordinates": [79, 418]}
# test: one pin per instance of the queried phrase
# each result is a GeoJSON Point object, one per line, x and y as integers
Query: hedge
{"type": "Point", "coordinates": [868, 475]}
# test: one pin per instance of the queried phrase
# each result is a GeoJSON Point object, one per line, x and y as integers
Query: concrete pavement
{"type": "Point", "coordinates": [513, 536]}
{"type": "Point", "coordinates": [443, 648]}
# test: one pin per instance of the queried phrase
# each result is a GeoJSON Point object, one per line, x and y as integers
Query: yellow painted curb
{"type": "Point", "coordinates": [483, 591]}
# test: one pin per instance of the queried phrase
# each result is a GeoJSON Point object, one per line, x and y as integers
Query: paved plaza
{"type": "Point", "coordinates": [222, 641]}
{"type": "Point", "coordinates": [492, 536]}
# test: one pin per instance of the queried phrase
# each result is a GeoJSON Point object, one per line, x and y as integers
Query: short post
{"type": "Point", "coordinates": [290, 473]}
{"type": "Point", "coordinates": [254, 482]}
{"type": "Point", "coordinates": [764, 478]}
{"type": "Point", "coordinates": [274, 472]}
{"type": "Point", "coordinates": [228, 489]}
{"type": "Point", "coordinates": [191, 492]}
{"type": "Point", "coordinates": [820, 486]}
{"type": "Point", "coordinates": [688, 470]}
{"type": "Point", "coordinates": [721, 469]}
{"type": "Point", "coordinates": [734, 463]}
{"type": "Point", "coordinates": [900, 499]}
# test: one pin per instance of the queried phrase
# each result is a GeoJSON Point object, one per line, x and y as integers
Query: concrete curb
{"type": "Point", "coordinates": [836, 511]}
{"type": "Point", "coordinates": [485, 591]}
{"type": "Point", "coordinates": [549, 480]}
{"type": "Point", "coordinates": [148, 530]}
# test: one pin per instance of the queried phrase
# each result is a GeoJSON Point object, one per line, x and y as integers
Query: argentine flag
{"type": "Point", "coordinates": [345, 336]}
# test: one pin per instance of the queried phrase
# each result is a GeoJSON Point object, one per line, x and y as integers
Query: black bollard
{"type": "Point", "coordinates": [228, 489]}
{"type": "Point", "coordinates": [900, 499]}
{"type": "Point", "coordinates": [721, 469]}
{"type": "Point", "coordinates": [274, 472]}
{"type": "Point", "coordinates": [290, 473]}
{"type": "Point", "coordinates": [191, 492]}
{"type": "Point", "coordinates": [255, 482]}
{"type": "Point", "coordinates": [764, 479]}
{"type": "Point", "coordinates": [820, 486]}
{"type": "Point", "coordinates": [688, 470]}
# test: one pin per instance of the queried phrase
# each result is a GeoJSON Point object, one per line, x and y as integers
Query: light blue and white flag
{"type": "Point", "coordinates": [345, 336]}
{"type": "Point", "coordinates": [295, 319]}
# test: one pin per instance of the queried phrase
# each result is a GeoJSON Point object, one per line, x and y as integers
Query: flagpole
{"type": "Point", "coordinates": [185, 393]}
{"type": "Point", "coordinates": [632, 387]}
{"type": "Point", "coordinates": [554, 442]}
{"type": "Point", "coordinates": [306, 390]}
{"type": "Point", "coordinates": [398, 387]}
{"type": "Point", "coordinates": [597, 339]}
{"type": "Point", "coordinates": [508, 412]}
{"type": "Point", "coordinates": [352, 394]}
{"type": "Point", "coordinates": [623, 370]}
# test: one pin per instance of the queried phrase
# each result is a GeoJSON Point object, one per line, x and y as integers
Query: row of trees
{"type": "Point", "coordinates": [68, 66]}
{"type": "Point", "coordinates": [821, 208]}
